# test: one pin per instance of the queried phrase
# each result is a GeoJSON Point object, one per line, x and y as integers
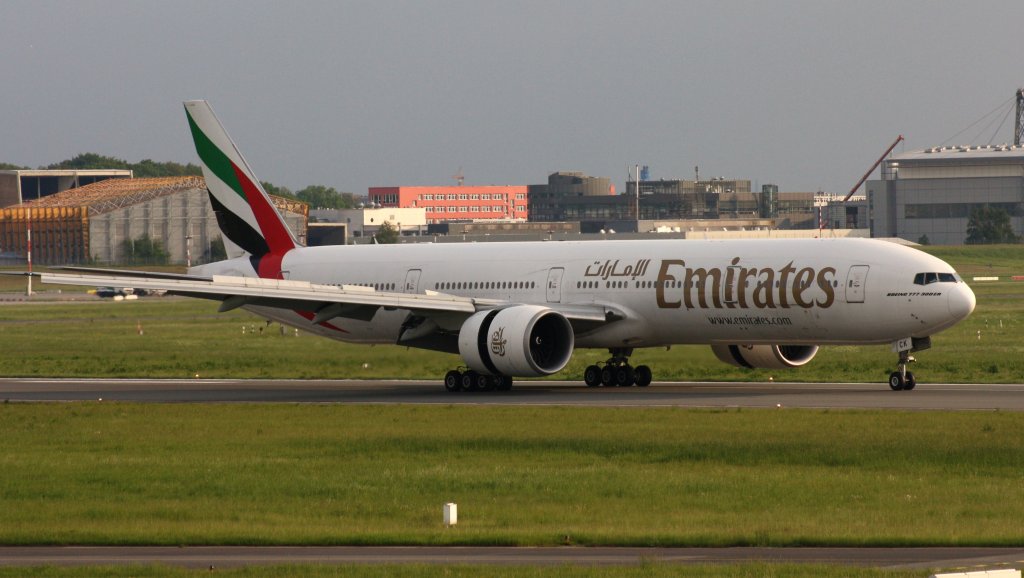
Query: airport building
{"type": "Point", "coordinates": [23, 185]}
{"type": "Point", "coordinates": [97, 223]}
{"type": "Point", "coordinates": [366, 222]}
{"type": "Point", "coordinates": [931, 192]}
{"type": "Point", "coordinates": [677, 204]}
{"type": "Point", "coordinates": [458, 203]}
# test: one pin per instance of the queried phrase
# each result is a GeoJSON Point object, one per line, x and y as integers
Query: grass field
{"type": "Point", "coordinates": [643, 571]}
{"type": "Point", "coordinates": [310, 571]}
{"type": "Point", "coordinates": [103, 473]}
{"type": "Point", "coordinates": [182, 338]}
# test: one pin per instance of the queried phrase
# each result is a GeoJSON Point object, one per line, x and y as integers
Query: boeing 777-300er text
{"type": "Point", "coordinates": [520, 309]}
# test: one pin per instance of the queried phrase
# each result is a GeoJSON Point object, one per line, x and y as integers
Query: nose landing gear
{"type": "Point", "coordinates": [901, 379]}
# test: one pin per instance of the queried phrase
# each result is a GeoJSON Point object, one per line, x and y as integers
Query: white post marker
{"type": "Point", "coordinates": [451, 514]}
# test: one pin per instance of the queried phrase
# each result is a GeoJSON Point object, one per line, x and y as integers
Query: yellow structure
{"type": "Point", "coordinates": [91, 223]}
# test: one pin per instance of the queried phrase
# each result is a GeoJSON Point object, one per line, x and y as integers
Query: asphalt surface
{"type": "Point", "coordinates": [1005, 397]}
{"type": "Point", "coordinates": [961, 559]}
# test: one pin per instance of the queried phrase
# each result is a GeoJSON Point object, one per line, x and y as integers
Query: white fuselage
{"type": "Point", "coordinates": [814, 292]}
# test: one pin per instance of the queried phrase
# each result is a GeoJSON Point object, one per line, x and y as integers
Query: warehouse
{"type": "Point", "coordinates": [931, 192]}
{"type": "Point", "coordinates": [100, 223]}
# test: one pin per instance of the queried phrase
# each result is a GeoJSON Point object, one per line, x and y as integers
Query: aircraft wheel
{"type": "Point", "coordinates": [896, 382]}
{"type": "Point", "coordinates": [607, 377]}
{"type": "Point", "coordinates": [592, 376]}
{"type": "Point", "coordinates": [485, 382]}
{"type": "Point", "coordinates": [910, 383]}
{"type": "Point", "coordinates": [469, 382]}
{"type": "Point", "coordinates": [643, 376]}
{"type": "Point", "coordinates": [453, 380]}
{"type": "Point", "coordinates": [625, 376]}
{"type": "Point", "coordinates": [504, 382]}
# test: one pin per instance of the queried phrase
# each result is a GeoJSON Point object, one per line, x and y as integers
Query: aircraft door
{"type": "Point", "coordinates": [856, 280]}
{"type": "Point", "coordinates": [555, 284]}
{"type": "Point", "coordinates": [412, 281]}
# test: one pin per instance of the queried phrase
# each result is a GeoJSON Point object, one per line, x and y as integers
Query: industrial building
{"type": "Point", "coordinates": [366, 222]}
{"type": "Point", "coordinates": [457, 203]}
{"type": "Point", "coordinates": [676, 204]}
{"type": "Point", "coordinates": [23, 185]}
{"type": "Point", "coordinates": [91, 224]}
{"type": "Point", "coordinates": [931, 192]}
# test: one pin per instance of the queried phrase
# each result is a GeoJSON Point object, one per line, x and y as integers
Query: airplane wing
{"type": "Point", "coordinates": [325, 301]}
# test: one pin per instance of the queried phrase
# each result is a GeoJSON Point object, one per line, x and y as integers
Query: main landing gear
{"type": "Point", "coordinates": [456, 380]}
{"type": "Point", "coordinates": [617, 372]}
{"type": "Point", "coordinates": [901, 379]}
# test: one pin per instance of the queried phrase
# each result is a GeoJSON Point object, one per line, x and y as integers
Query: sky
{"type": "Point", "coordinates": [802, 94]}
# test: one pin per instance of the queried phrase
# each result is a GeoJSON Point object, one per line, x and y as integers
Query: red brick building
{"type": "Point", "coordinates": [455, 203]}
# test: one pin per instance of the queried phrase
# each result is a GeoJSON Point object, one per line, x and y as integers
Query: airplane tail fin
{"type": "Point", "coordinates": [248, 220]}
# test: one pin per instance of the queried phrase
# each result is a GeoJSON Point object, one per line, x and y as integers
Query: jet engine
{"type": "Point", "coordinates": [765, 356]}
{"type": "Point", "coordinates": [522, 341]}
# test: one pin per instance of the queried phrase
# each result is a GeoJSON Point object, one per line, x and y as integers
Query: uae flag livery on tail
{"type": "Point", "coordinates": [245, 213]}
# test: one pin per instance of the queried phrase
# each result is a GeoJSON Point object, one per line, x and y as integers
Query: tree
{"type": "Point", "coordinates": [217, 251]}
{"type": "Point", "coordinates": [277, 191]}
{"type": "Point", "coordinates": [9, 167]}
{"type": "Point", "coordinates": [988, 225]}
{"type": "Point", "coordinates": [924, 240]}
{"type": "Point", "coordinates": [387, 234]}
{"type": "Point", "coordinates": [321, 197]}
{"type": "Point", "coordinates": [146, 168]}
{"type": "Point", "coordinates": [144, 251]}
{"type": "Point", "coordinates": [90, 161]}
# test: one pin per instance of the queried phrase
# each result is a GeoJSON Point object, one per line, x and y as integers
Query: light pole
{"type": "Point", "coordinates": [28, 247]}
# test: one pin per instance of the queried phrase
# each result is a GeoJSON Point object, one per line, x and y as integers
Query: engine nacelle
{"type": "Point", "coordinates": [765, 356]}
{"type": "Point", "coordinates": [519, 341]}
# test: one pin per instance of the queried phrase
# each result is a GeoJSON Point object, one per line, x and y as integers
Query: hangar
{"type": "Point", "coordinates": [20, 185]}
{"type": "Point", "coordinates": [931, 192]}
{"type": "Point", "coordinates": [98, 223]}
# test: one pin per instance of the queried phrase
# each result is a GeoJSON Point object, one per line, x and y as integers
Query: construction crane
{"type": "Point", "coordinates": [459, 177]}
{"type": "Point", "coordinates": [873, 167]}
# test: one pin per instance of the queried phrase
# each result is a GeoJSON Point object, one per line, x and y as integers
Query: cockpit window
{"type": "Point", "coordinates": [929, 278]}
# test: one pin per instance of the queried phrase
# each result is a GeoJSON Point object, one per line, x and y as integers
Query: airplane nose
{"type": "Point", "coordinates": [961, 301]}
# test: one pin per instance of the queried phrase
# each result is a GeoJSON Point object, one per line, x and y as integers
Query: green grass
{"type": "Point", "coordinates": [423, 571]}
{"type": "Point", "coordinates": [981, 260]}
{"type": "Point", "coordinates": [182, 338]}
{"type": "Point", "coordinates": [102, 473]}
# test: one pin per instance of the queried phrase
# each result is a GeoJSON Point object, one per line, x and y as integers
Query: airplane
{"type": "Point", "coordinates": [521, 309]}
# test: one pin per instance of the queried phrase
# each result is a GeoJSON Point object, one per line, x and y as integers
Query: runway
{"type": "Point", "coordinates": [233, 556]}
{"type": "Point", "coordinates": [1004, 397]}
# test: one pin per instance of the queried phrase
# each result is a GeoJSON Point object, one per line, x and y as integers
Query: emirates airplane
{"type": "Point", "coordinates": [521, 309]}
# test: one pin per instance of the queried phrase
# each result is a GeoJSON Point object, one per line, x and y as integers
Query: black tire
{"type": "Point", "coordinates": [469, 382]}
{"type": "Point", "coordinates": [910, 383]}
{"type": "Point", "coordinates": [504, 383]}
{"type": "Point", "coordinates": [453, 380]}
{"type": "Point", "coordinates": [592, 376]}
{"type": "Point", "coordinates": [625, 376]}
{"type": "Point", "coordinates": [896, 382]}
{"type": "Point", "coordinates": [485, 382]}
{"type": "Point", "coordinates": [643, 376]}
{"type": "Point", "coordinates": [607, 376]}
